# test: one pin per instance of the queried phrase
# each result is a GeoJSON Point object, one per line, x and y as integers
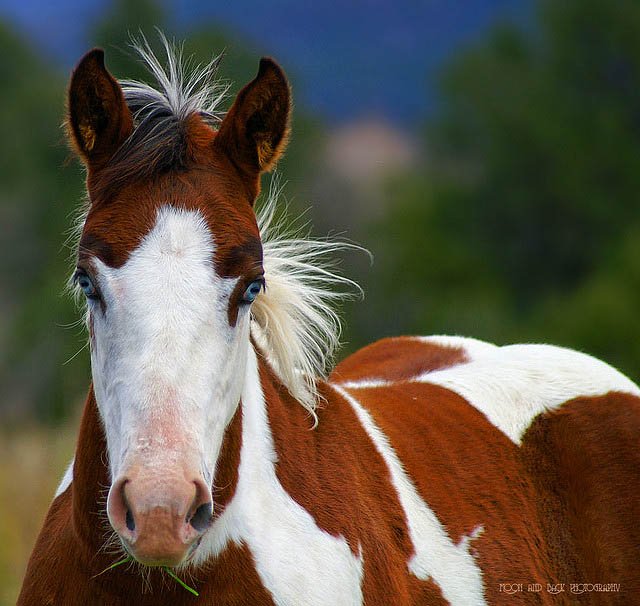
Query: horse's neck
{"type": "Point", "coordinates": [268, 417]}
{"type": "Point", "coordinates": [91, 479]}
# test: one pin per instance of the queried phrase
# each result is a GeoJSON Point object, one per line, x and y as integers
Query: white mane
{"type": "Point", "coordinates": [294, 320]}
{"type": "Point", "coordinates": [183, 88]}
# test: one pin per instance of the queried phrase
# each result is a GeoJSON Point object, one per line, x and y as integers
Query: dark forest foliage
{"type": "Point", "coordinates": [523, 224]}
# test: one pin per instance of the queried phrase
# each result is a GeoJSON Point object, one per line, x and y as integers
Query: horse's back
{"type": "Point", "coordinates": [527, 454]}
{"type": "Point", "coordinates": [404, 358]}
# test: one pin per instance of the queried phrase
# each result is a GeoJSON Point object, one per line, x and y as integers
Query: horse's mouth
{"type": "Point", "coordinates": [185, 560]}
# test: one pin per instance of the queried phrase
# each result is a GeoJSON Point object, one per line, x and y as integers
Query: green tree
{"type": "Point", "coordinates": [524, 225]}
{"type": "Point", "coordinates": [37, 195]}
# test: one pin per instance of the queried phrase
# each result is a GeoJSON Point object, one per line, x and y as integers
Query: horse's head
{"type": "Point", "coordinates": [170, 260]}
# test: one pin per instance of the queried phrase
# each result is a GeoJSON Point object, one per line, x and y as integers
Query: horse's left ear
{"type": "Point", "coordinates": [255, 130]}
{"type": "Point", "coordinates": [98, 117]}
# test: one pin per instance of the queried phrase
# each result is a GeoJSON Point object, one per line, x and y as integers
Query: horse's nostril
{"type": "Point", "coordinates": [201, 519]}
{"type": "Point", "coordinates": [131, 525]}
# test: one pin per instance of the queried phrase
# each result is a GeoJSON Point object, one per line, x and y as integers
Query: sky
{"type": "Point", "coordinates": [351, 57]}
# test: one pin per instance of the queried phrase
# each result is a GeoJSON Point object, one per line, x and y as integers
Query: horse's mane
{"type": "Point", "coordinates": [293, 320]}
{"type": "Point", "coordinates": [159, 142]}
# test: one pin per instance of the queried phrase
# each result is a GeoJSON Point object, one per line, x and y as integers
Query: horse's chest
{"type": "Point", "coordinates": [295, 560]}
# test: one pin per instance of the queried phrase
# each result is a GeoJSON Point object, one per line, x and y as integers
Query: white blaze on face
{"type": "Point", "coordinates": [167, 366]}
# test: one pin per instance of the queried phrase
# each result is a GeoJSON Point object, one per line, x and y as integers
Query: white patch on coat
{"type": "Point", "coordinates": [298, 562]}
{"type": "Point", "coordinates": [450, 566]}
{"type": "Point", "coordinates": [67, 478]}
{"type": "Point", "coordinates": [512, 385]}
{"type": "Point", "coordinates": [473, 348]}
{"type": "Point", "coordinates": [167, 366]}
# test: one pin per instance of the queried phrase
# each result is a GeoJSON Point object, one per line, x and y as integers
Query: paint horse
{"type": "Point", "coordinates": [438, 470]}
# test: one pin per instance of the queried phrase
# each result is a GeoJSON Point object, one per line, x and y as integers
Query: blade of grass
{"type": "Point", "coordinates": [118, 563]}
{"type": "Point", "coordinates": [180, 581]}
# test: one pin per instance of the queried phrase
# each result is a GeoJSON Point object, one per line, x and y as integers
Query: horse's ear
{"type": "Point", "coordinates": [98, 117]}
{"type": "Point", "coordinates": [255, 130]}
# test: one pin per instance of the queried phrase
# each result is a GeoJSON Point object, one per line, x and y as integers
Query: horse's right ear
{"type": "Point", "coordinates": [98, 117]}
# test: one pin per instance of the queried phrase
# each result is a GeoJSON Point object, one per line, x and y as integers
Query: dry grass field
{"type": "Point", "coordinates": [32, 462]}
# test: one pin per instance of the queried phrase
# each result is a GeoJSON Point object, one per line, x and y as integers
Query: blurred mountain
{"type": "Point", "coordinates": [373, 56]}
{"type": "Point", "coordinates": [356, 161]}
{"type": "Point", "coordinates": [368, 150]}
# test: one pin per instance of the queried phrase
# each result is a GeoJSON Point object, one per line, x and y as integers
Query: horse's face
{"type": "Point", "coordinates": [170, 261]}
{"type": "Point", "coordinates": [169, 332]}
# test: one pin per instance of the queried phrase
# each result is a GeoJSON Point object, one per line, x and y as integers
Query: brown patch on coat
{"type": "Point", "coordinates": [396, 359]}
{"type": "Point", "coordinates": [226, 480]}
{"type": "Point", "coordinates": [585, 463]}
{"type": "Point", "coordinates": [469, 473]}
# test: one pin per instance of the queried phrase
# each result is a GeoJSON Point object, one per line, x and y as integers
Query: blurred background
{"type": "Point", "coordinates": [486, 152]}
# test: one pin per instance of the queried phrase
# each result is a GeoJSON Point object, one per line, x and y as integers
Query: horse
{"type": "Point", "coordinates": [219, 454]}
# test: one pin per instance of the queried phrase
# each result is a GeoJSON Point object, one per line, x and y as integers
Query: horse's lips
{"type": "Point", "coordinates": [187, 558]}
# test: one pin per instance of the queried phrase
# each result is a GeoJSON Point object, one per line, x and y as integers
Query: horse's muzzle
{"type": "Point", "coordinates": [159, 519]}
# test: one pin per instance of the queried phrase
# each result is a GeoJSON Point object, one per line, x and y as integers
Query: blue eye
{"type": "Point", "coordinates": [253, 290]}
{"type": "Point", "coordinates": [86, 285]}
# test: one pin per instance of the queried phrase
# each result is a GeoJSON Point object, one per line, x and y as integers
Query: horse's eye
{"type": "Point", "coordinates": [253, 290]}
{"type": "Point", "coordinates": [86, 285]}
